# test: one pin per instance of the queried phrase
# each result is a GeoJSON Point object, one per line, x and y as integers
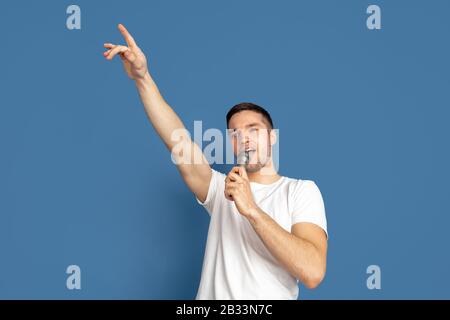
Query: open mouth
{"type": "Point", "coordinates": [244, 156]}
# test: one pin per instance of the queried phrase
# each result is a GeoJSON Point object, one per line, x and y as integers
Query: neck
{"type": "Point", "coordinates": [266, 175]}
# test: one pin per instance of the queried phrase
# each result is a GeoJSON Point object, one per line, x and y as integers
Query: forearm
{"type": "Point", "coordinates": [186, 154]}
{"type": "Point", "coordinates": [161, 115]}
{"type": "Point", "coordinates": [298, 256]}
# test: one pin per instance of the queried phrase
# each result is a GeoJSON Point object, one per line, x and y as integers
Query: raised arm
{"type": "Point", "coordinates": [189, 158]}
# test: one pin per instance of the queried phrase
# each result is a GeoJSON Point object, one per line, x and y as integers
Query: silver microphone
{"type": "Point", "coordinates": [243, 158]}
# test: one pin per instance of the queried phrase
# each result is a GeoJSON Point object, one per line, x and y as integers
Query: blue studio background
{"type": "Point", "coordinates": [85, 180]}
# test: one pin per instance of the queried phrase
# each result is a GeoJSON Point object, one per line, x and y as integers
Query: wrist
{"type": "Point", "coordinates": [144, 81]}
{"type": "Point", "coordinates": [253, 214]}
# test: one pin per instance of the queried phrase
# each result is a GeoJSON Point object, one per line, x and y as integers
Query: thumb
{"type": "Point", "coordinates": [130, 56]}
{"type": "Point", "coordinates": [243, 172]}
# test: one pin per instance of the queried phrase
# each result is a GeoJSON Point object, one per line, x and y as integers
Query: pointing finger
{"type": "Point", "coordinates": [128, 38]}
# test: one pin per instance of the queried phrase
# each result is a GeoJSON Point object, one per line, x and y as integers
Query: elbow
{"type": "Point", "coordinates": [313, 279]}
{"type": "Point", "coordinates": [312, 283]}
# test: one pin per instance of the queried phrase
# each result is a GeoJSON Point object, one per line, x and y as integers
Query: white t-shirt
{"type": "Point", "coordinates": [237, 264]}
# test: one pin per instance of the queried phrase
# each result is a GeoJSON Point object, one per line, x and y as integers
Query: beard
{"type": "Point", "coordinates": [255, 167]}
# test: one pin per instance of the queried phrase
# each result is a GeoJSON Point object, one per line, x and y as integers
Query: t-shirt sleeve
{"type": "Point", "coordinates": [215, 191]}
{"type": "Point", "coordinates": [308, 205]}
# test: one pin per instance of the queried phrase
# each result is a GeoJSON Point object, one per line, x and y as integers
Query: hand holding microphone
{"type": "Point", "coordinates": [237, 173]}
{"type": "Point", "coordinates": [237, 186]}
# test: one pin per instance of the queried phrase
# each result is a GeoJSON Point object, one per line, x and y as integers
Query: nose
{"type": "Point", "coordinates": [244, 138]}
{"type": "Point", "coordinates": [245, 141]}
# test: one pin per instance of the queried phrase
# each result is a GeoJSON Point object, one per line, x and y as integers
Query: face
{"type": "Point", "coordinates": [249, 131]}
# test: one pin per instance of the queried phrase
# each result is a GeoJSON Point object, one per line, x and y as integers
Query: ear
{"type": "Point", "coordinates": [273, 136]}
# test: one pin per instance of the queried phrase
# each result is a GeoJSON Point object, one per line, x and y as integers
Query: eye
{"type": "Point", "coordinates": [234, 134]}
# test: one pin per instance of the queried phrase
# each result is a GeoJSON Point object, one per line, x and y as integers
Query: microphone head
{"type": "Point", "coordinates": [243, 158]}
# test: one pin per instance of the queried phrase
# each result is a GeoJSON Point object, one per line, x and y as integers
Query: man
{"type": "Point", "coordinates": [266, 231]}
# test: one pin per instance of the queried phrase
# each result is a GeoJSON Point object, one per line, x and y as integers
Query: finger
{"type": "Point", "coordinates": [240, 171]}
{"type": "Point", "coordinates": [228, 195]}
{"type": "Point", "coordinates": [129, 55]}
{"type": "Point", "coordinates": [230, 178]}
{"type": "Point", "coordinates": [243, 172]}
{"type": "Point", "coordinates": [232, 186]}
{"type": "Point", "coordinates": [108, 46]}
{"type": "Point", "coordinates": [236, 169]}
{"type": "Point", "coordinates": [128, 38]}
{"type": "Point", "coordinates": [115, 51]}
{"type": "Point", "coordinates": [235, 177]}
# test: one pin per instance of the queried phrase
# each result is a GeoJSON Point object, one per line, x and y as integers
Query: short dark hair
{"type": "Point", "coordinates": [251, 107]}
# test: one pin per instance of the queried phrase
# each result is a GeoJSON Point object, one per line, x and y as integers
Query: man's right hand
{"type": "Point", "coordinates": [165, 121]}
{"type": "Point", "coordinates": [133, 58]}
